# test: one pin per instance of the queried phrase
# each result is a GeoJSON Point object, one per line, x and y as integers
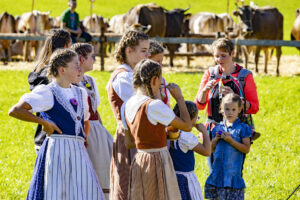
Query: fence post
{"type": "Point", "coordinates": [102, 53]}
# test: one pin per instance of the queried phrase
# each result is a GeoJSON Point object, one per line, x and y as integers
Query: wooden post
{"type": "Point", "coordinates": [91, 13]}
{"type": "Point", "coordinates": [32, 5]}
{"type": "Point", "coordinates": [102, 53]}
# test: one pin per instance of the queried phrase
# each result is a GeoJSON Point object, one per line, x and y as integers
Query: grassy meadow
{"type": "Point", "coordinates": [271, 168]}
{"type": "Point", "coordinates": [108, 8]}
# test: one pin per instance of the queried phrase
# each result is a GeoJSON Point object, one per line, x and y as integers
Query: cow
{"type": "Point", "coordinates": [177, 25]}
{"type": "Point", "coordinates": [34, 22]}
{"type": "Point", "coordinates": [7, 25]}
{"type": "Point", "coordinates": [295, 34]}
{"type": "Point", "coordinates": [265, 23]}
{"type": "Point", "coordinates": [148, 14]}
{"type": "Point", "coordinates": [94, 24]}
{"type": "Point", "coordinates": [117, 24]}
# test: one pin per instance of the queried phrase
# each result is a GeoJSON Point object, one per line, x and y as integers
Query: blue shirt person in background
{"type": "Point", "coordinates": [231, 141]}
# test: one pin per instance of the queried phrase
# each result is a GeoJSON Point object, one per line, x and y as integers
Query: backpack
{"type": "Point", "coordinates": [240, 79]}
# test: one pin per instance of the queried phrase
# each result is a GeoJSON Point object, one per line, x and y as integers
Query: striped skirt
{"type": "Point", "coordinates": [100, 152]}
{"type": "Point", "coordinates": [152, 176]}
{"type": "Point", "coordinates": [69, 173]}
{"type": "Point", "coordinates": [120, 168]}
{"type": "Point", "coordinates": [193, 189]}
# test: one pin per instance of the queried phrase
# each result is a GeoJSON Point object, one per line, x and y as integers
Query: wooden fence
{"type": "Point", "coordinates": [191, 39]}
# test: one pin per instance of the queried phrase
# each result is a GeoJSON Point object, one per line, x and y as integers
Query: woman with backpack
{"type": "Point", "coordinates": [224, 78]}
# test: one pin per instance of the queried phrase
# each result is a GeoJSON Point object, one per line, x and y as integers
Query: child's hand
{"type": "Point", "coordinates": [227, 137]}
{"type": "Point", "coordinates": [200, 127]}
{"type": "Point", "coordinates": [174, 90]}
{"type": "Point", "coordinates": [50, 127]}
{"type": "Point", "coordinates": [226, 90]}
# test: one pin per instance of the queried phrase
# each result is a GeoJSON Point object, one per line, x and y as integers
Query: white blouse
{"type": "Point", "coordinates": [41, 99]}
{"type": "Point", "coordinates": [187, 141]}
{"type": "Point", "coordinates": [122, 83]}
{"type": "Point", "coordinates": [157, 111]}
{"type": "Point", "coordinates": [97, 96]}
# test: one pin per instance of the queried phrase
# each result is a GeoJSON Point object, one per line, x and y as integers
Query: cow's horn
{"type": "Point", "coordinates": [187, 8]}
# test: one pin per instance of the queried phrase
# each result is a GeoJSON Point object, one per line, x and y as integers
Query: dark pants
{"type": "Point", "coordinates": [86, 36]}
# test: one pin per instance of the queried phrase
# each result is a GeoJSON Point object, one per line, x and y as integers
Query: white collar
{"type": "Point", "coordinates": [133, 105]}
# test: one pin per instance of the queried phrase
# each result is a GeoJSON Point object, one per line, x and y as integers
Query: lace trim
{"type": "Point", "coordinates": [65, 103]}
{"type": "Point", "coordinates": [91, 93]}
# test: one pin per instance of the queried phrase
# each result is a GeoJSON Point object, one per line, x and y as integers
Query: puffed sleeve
{"type": "Point", "coordinates": [85, 104]}
{"type": "Point", "coordinates": [204, 81]}
{"type": "Point", "coordinates": [158, 112]}
{"type": "Point", "coordinates": [251, 94]}
{"type": "Point", "coordinates": [122, 85]}
{"type": "Point", "coordinates": [187, 141]}
{"type": "Point", "coordinates": [96, 91]}
{"type": "Point", "coordinates": [40, 99]}
{"type": "Point", "coordinates": [246, 131]}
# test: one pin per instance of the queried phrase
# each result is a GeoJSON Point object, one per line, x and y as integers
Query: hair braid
{"type": "Point", "coordinates": [60, 58]}
{"type": "Point", "coordinates": [129, 39]}
{"type": "Point", "coordinates": [144, 71]}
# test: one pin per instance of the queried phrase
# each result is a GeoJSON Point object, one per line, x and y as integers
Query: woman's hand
{"type": "Point", "coordinates": [50, 127]}
{"type": "Point", "coordinates": [175, 90]}
{"type": "Point", "coordinates": [209, 85]}
{"type": "Point", "coordinates": [226, 136]}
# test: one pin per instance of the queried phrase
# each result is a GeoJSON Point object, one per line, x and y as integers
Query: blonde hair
{"type": "Point", "coordinates": [129, 39]}
{"type": "Point", "coordinates": [228, 98]}
{"type": "Point", "coordinates": [60, 58]}
{"type": "Point", "coordinates": [223, 44]}
{"type": "Point", "coordinates": [143, 72]}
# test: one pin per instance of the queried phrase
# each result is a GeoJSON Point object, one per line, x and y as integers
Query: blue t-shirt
{"type": "Point", "coordinates": [228, 161]}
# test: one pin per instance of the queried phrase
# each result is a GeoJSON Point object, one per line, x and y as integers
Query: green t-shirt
{"type": "Point", "coordinates": [71, 19]}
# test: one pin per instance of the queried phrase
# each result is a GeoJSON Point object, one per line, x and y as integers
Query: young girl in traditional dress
{"type": "Point", "coordinates": [100, 142]}
{"type": "Point", "coordinates": [58, 39]}
{"type": "Point", "coordinates": [152, 174]}
{"type": "Point", "coordinates": [182, 153]}
{"type": "Point", "coordinates": [157, 54]}
{"type": "Point", "coordinates": [133, 47]}
{"type": "Point", "coordinates": [63, 169]}
{"type": "Point", "coordinates": [231, 141]}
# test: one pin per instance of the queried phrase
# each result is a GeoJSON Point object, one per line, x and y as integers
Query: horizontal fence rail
{"type": "Point", "coordinates": [108, 37]}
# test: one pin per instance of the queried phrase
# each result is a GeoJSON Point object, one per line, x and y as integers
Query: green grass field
{"type": "Point", "coordinates": [108, 8]}
{"type": "Point", "coordinates": [271, 168]}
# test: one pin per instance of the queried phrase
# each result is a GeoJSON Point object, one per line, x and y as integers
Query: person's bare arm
{"type": "Point", "coordinates": [205, 148]}
{"type": "Point", "coordinates": [184, 122]}
{"type": "Point", "coordinates": [64, 26]}
{"type": "Point", "coordinates": [21, 111]}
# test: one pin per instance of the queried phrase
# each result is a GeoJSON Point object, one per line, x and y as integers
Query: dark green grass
{"type": "Point", "coordinates": [271, 168]}
{"type": "Point", "coordinates": [108, 8]}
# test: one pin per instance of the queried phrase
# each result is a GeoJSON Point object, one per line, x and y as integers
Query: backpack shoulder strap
{"type": "Point", "coordinates": [214, 73]}
{"type": "Point", "coordinates": [241, 77]}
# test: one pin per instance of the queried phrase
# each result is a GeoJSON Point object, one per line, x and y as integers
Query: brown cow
{"type": "Point", "coordinates": [264, 23]}
{"type": "Point", "coordinates": [295, 34]}
{"type": "Point", "coordinates": [7, 25]}
{"type": "Point", "coordinates": [148, 14]}
{"type": "Point", "coordinates": [177, 25]}
{"type": "Point", "coordinates": [35, 22]}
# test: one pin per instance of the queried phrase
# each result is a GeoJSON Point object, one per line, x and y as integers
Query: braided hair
{"type": "Point", "coordinates": [60, 58]}
{"type": "Point", "coordinates": [129, 39]}
{"type": "Point", "coordinates": [143, 72]}
{"type": "Point", "coordinates": [155, 48]}
{"type": "Point", "coordinates": [57, 39]}
{"type": "Point", "coordinates": [82, 49]}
